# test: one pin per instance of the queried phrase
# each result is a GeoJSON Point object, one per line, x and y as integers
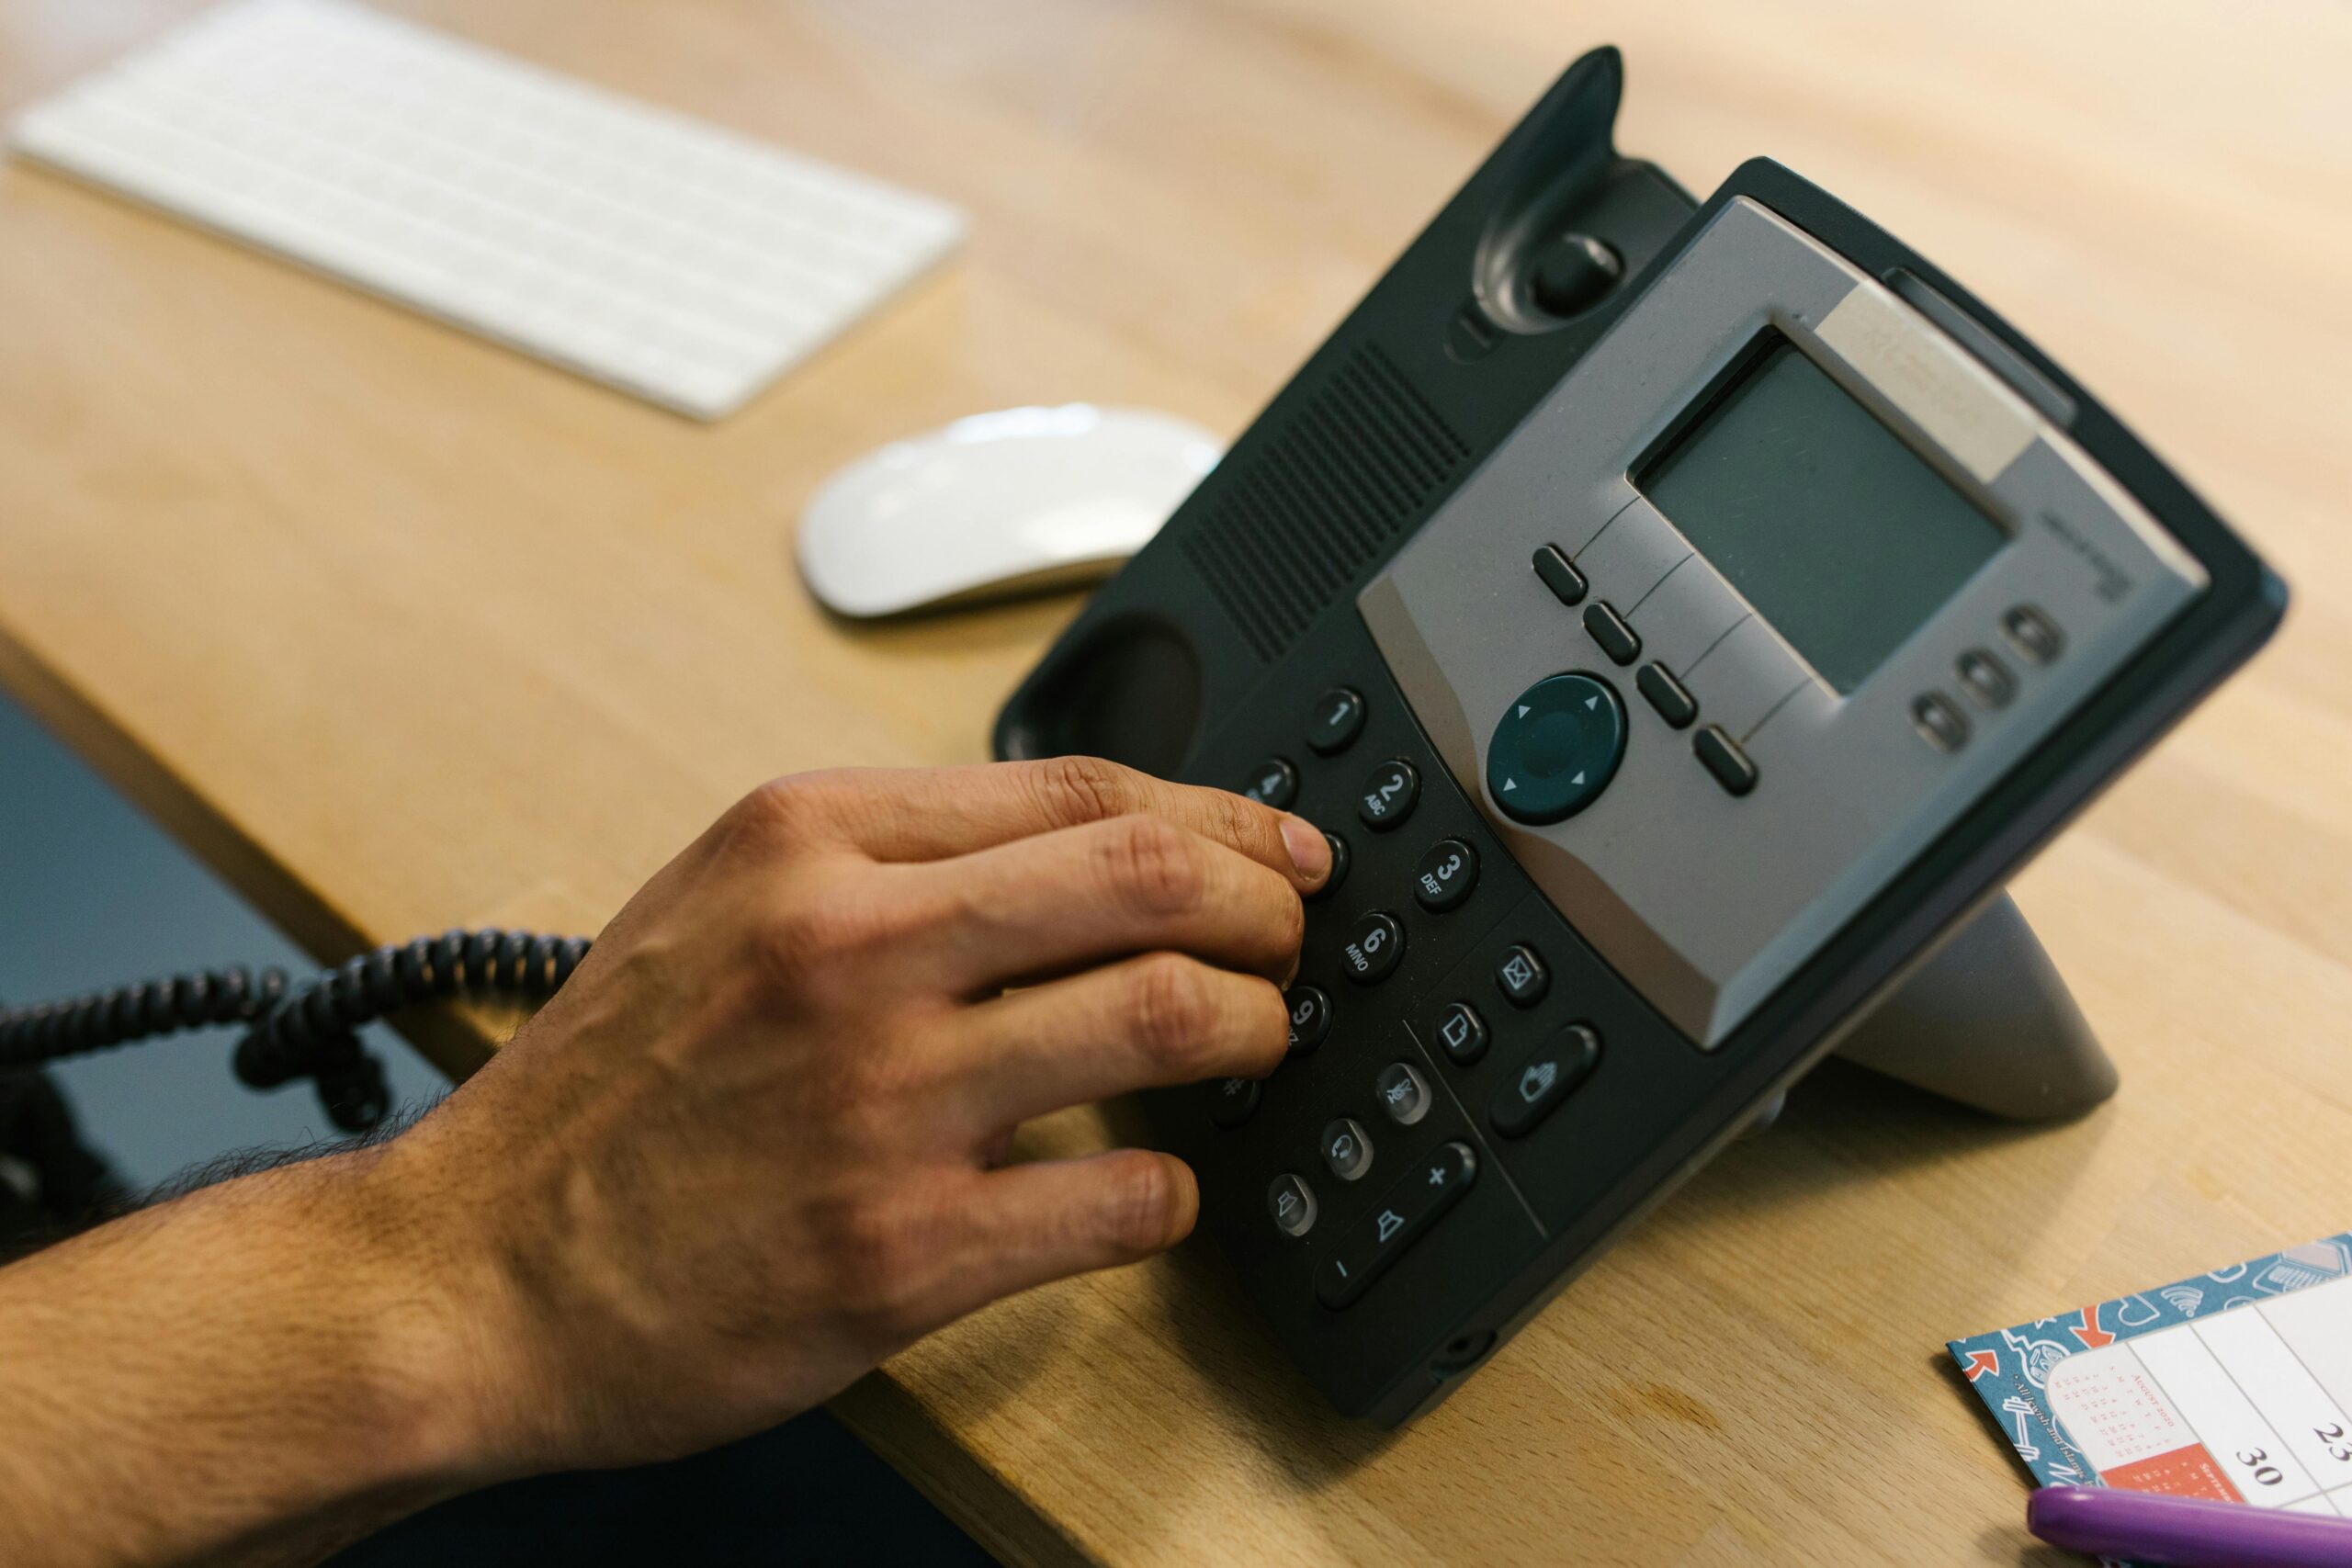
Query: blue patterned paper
{"type": "Point", "coordinates": [2008, 1366]}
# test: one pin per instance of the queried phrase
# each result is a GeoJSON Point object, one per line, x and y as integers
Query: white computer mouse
{"type": "Point", "coordinates": [997, 504]}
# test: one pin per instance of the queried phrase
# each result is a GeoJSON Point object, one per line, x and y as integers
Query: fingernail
{"type": "Point", "coordinates": [1309, 851]}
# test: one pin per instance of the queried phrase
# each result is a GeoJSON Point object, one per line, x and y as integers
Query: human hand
{"type": "Point", "coordinates": [754, 1146]}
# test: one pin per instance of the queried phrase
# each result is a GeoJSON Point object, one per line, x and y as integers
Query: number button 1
{"type": "Point", "coordinates": [1445, 875]}
{"type": "Point", "coordinates": [1338, 720]}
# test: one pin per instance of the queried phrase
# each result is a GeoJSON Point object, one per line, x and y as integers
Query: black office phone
{"type": "Point", "coordinates": [1684, 617]}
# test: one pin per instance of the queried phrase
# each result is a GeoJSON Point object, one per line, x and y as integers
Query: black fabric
{"type": "Point", "coordinates": [51, 1185]}
{"type": "Point", "coordinates": [807, 1492]}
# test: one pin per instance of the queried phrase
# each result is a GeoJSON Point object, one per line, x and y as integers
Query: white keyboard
{"type": "Point", "coordinates": [670, 258]}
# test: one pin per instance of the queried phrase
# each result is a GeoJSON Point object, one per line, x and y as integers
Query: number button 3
{"type": "Point", "coordinates": [1445, 875]}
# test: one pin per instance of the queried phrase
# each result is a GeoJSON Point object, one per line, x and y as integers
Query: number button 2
{"type": "Point", "coordinates": [1388, 794]}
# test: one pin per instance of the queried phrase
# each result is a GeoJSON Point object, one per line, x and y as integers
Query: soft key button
{"type": "Point", "coordinates": [1566, 583]}
{"type": "Point", "coordinates": [1632, 555]}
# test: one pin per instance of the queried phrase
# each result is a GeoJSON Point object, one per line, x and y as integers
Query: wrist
{"type": "Point", "coordinates": [444, 1355]}
{"type": "Point", "coordinates": [260, 1370]}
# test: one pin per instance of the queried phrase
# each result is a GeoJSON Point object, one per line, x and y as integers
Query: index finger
{"type": "Point", "coordinates": [919, 814]}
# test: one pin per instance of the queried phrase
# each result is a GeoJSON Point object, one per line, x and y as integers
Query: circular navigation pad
{"type": "Point", "coordinates": [1556, 748]}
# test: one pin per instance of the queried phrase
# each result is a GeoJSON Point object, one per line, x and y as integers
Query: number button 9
{"type": "Point", "coordinates": [1310, 1018]}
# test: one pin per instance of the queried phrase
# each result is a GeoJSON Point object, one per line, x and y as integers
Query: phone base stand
{"type": "Point", "coordinates": [1987, 1021]}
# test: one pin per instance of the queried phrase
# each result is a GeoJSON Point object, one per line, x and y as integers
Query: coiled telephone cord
{"type": "Point", "coordinates": [299, 1031]}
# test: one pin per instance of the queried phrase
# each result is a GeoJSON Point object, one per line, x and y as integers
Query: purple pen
{"type": "Point", "coordinates": [2185, 1532]}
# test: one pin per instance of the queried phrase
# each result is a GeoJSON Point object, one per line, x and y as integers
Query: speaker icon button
{"type": "Point", "coordinates": [1549, 1074]}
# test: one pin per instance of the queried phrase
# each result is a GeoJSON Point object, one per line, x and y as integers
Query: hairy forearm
{"type": "Point", "coordinates": [255, 1373]}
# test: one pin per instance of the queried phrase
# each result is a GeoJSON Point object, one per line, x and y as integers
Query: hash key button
{"type": "Point", "coordinates": [1234, 1101]}
{"type": "Point", "coordinates": [1363, 1251]}
{"type": "Point", "coordinates": [1544, 1080]}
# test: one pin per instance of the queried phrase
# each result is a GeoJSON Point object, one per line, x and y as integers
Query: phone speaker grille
{"type": "Point", "coordinates": [1329, 484]}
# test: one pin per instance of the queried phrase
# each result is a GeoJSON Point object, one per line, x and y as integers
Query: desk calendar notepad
{"type": "Point", "coordinates": [2234, 1385]}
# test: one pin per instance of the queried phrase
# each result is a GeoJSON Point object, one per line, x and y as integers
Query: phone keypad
{"type": "Point", "coordinates": [1353, 1146]}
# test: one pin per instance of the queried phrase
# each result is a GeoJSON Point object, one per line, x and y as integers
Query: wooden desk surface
{"type": "Point", "coordinates": [401, 629]}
